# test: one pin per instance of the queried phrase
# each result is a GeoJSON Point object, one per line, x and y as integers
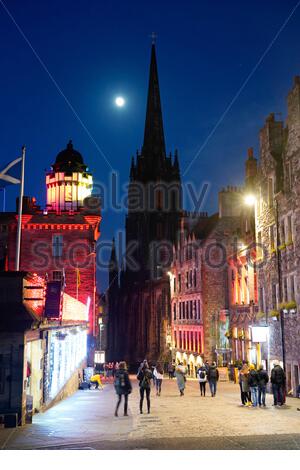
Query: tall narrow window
{"type": "Point", "coordinates": [195, 278]}
{"type": "Point", "coordinates": [289, 229]}
{"type": "Point", "coordinates": [292, 287]}
{"type": "Point", "coordinates": [274, 297]}
{"type": "Point", "coordinates": [179, 282]}
{"type": "Point", "coordinates": [174, 311]}
{"type": "Point", "coordinates": [57, 245]}
{"type": "Point", "coordinates": [285, 290]}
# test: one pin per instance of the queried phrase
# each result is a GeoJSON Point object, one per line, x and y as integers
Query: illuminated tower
{"type": "Point", "coordinates": [69, 182]}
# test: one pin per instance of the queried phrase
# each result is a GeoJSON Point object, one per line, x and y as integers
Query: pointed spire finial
{"type": "Point", "coordinates": [153, 37]}
{"type": "Point", "coordinates": [154, 140]}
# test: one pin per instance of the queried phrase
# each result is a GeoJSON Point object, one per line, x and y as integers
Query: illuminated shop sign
{"type": "Point", "coordinates": [259, 334]}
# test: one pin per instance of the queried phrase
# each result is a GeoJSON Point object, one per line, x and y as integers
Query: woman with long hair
{"type": "Point", "coordinates": [144, 377]}
{"type": "Point", "coordinates": [122, 386]}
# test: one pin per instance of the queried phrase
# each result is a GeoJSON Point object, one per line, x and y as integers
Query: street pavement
{"type": "Point", "coordinates": [86, 421]}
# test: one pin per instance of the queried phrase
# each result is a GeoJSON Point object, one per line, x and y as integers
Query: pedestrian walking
{"type": "Point", "coordinates": [180, 373]}
{"type": "Point", "coordinates": [278, 384]}
{"type": "Point", "coordinates": [263, 379]}
{"type": "Point", "coordinates": [206, 365]}
{"type": "Point", "coordinates": [122, 386]}
{"type": "Point", "coordinates": [244, 374]}
{"type": "Point", "coordinates": [253, 384]}
{"type": "Point", "coordinates": [171, 370]}
{"type": "Point", "coordinates": [159, 375]}
{"type": "Point", "coordinates": [153, 376]}
{"type": "Point", "coordinates": [202, 377]}
{"type": "Point", "coordinates": [144, 377]}
{"type": "Point", "coordinates": [213, 377]}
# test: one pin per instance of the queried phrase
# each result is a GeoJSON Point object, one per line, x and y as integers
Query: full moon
{"type": "Point", "coordinates": [120, 101]}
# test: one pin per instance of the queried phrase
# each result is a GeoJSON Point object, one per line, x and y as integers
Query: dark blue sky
{"type": "Point", "coordinates": [96, 50]}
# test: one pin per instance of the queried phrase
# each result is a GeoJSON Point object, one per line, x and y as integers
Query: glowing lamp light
{"type": "Point", "coordinates": [250, 200]}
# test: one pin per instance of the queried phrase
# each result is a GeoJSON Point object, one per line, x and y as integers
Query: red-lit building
{"type": "Point", "coordinates": [58, 243]}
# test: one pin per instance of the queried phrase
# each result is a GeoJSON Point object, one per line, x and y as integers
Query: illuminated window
{"type": "Point", "coordinates": [68, 193]}
{"type": "Point", "coordinates": [57, 245]}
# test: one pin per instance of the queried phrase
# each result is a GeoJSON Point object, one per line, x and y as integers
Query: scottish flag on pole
{"type": "Point", "coordinates": [11, 173]}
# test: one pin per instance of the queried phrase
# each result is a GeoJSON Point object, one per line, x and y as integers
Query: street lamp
{"type": "Point", "coordinates": [250, 200]}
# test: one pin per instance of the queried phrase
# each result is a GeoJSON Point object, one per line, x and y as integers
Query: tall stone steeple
{"type": "Point", "coordinates": [156, 177]}
{"type": "Point", "coordinates": [154, 140]}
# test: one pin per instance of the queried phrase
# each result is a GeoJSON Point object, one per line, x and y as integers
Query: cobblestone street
{"type": "Point", "coordinates": [86, 421]}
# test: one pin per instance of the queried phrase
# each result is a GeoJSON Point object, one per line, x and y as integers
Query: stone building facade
{"type": "Point", "coordinates": [278, 230]}
{"type": "Point", "coordinates": [199, 284]}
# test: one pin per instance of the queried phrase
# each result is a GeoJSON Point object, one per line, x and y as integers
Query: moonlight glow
{"type": "Point", "coordinates": [120, 101]}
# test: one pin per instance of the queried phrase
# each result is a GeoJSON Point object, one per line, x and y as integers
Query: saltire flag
{"type": "Point", "coordinates": [11, 173]}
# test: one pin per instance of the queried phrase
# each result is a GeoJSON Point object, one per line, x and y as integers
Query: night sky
{"type": "Point", "coordinates": [97, 50]}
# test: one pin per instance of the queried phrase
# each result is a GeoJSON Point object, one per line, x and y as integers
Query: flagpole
{"type": "Point", "coordinates": [77, 282]}
{"type": "Point", "coordinates": [18, 247]}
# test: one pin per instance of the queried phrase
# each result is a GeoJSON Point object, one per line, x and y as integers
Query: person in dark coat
{"type": "Point", "coordinates": [253, 384]}
{"type": "Point", "coordinates": [122, 386]}
{"type": "Point", "coordinates": [263, 379]}
{"type": "Point", "coordinates": [278, 383]}
{"type": "Point", "coordinates": [144, 377]}
{"type": "Point", "coordinates": [202, 377]}
{"type": "Point", "coordinates": [213, 377]}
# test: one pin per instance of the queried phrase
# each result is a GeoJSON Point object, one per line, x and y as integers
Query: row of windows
{"type": "Point", "coordinates": [190, 280]}
{"type": "Point", "coordinates": [288, 293]}
{"type": "Point", "coordinates": [188, 310]}
{"type": "Point", "coordinates": [285, 235]}
{"type": "Point", "coordinates": [188, 341]}
{"type": "Point", "coordinates": [187, 253]}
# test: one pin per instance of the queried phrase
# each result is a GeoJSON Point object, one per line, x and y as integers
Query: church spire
{"type": "Point", "coordinates": [154, 141]}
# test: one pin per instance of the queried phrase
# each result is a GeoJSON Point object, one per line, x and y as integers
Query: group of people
{"type": "Point", "coordinates": [206, 373]}
{"type": "Point", "coordinates": [253, 385]}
